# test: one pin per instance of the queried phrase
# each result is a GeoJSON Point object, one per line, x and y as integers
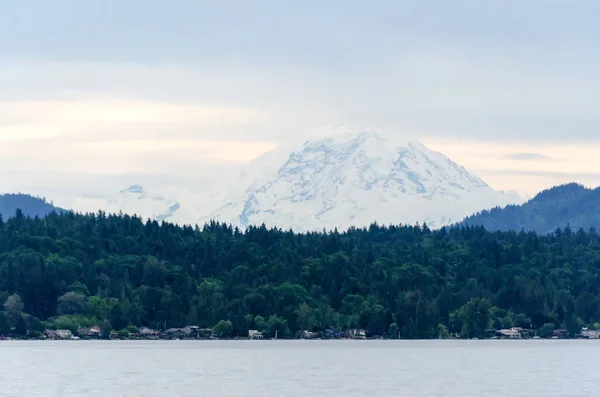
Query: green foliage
{"type": "Point", "coordinates": [105, 329]}
{"type": "Point", "coordinates": [71, 303]}
{"type": "Point", "coordinates": [443, 331]}
{"type": "Point", "coordinates": [547, 330]}
{"type": "Point", "coordinates": [20, 326]}
{"type": "Point", "coordinates": [475, 318]}
{"type": "Point", "coordinates": [305, 317]}
{"type": "Point", "coordinates": [277, 326]}
{"type": "Point", "coordinates": [72, 271]}
{"type": "Point", "coordinates": [574, 325]}
{"type": "Point", "coordinates": [4, 324]}
{"type": "Point", "coordinates": [260, 323]}
{"type": "Point", "coordinates": [33, 324]}
{"type": "Point", "coordinates": [97, 307]}
{"type": "Point", "coordinates": [14, 304]}
{"type": "Point", "coordinates": [123, 334]}
{"type": "Point", "coordinates": [394, 331]}
{"type": "Point", "coordinates": [79, 288]}
{"type": "Point", "coordinates": [72, 322]}
{"type": "Point", "coordinates": [224, 328]}
{"type": "Point", "coordinates": [36, 335]}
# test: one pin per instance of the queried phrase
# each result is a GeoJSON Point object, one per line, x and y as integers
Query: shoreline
{"type": "Point", "coordinates": [289, 340]}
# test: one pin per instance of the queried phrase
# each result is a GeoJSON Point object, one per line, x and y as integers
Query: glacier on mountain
{"type": "Point", "coordinates": [134, 200]}
{"type": "Point", "coordinates": [354, 180]}
{"type": "Point", "coordinates": [325, 183]}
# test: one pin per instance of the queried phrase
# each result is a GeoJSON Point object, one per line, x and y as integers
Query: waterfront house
{"type": "Point", "coordinates": [50, 334]}
{"type": "Point", "coordinates": [254, 334]}
{"type": "Point", "coordinates": [357, 334]}
{"type": "Point", "coordinates": [333, 334]}
{"type": "Point", "coordinates": [561, 333]}
{"type": "Point", "coordinates": [175, 333]}
{"type": "Point", "coordinates": [512, 333]}
{"type": "Point", "coordinates": [308, 335]}
{"type": "Point", "coordinates": [96, 331]}
{"type": "Point", "coordinates": [206, 333]}
{"type": "Point", "coordinates": [191, 332]}
{"type": "Point", "coordinates": [91, 333]}
{"type": "Point", "coordinates": [84, 332]}
{"type": "Point", "coordinates": [590, 333]}
{"type": "Point", "coordinates": [149, 333]}
{"type": "Point", "coordinates": [64, 334]}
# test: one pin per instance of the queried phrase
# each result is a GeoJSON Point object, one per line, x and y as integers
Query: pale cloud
{"type": "Point", "coordinates": [115, 135]}
{"type": "Point", "coordinates": [444, 92]}
{"type": "Point", "coordinates": [94, 146]}
{"type": "Point", "coordinates": [118, 110]}
{"type": "Point", "coordinates": [43, 119]}
{"type": "Point", "coordinates": [526, 174]}
{"type": "Point", "coordinates": [126, 156]}
{"type": "Point", "coordinates": [528, 157]}
{"type": "Point", "coordinates": [139, 88]}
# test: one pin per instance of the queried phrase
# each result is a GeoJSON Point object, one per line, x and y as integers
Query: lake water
{"type": "Point", "coordinates": [300, 368]}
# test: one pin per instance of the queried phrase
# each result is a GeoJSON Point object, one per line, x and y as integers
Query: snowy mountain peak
{"type": "Point", "coordinates": [335, 181]}
{"type": "Point", "coordinates": [135, 200]}
{"type": "Point", "coordinates": [134, 190]}
{"type": "Point", "coordinates": [367, 160]}
{"type": "Point", "coordinates": [355, 179]}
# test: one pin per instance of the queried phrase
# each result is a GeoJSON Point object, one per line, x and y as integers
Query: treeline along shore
{"type": "Point", "coordinates": [118, 274]}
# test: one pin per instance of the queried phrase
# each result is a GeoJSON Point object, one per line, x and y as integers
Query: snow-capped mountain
{"type": "Point", "coordinates": [324, 183]}
{"type": "Point", "coordinates": [354, 180]}
{"type": "Point", "coordinates": [133, 200]}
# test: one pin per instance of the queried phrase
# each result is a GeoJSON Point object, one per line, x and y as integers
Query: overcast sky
{"type": "Point", "coordinates": [151, 90]}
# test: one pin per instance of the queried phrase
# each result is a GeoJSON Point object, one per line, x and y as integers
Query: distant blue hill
{"type": "Point", "coordinates": [571, 204]}
{"type": "Point", "coordinates": [30, 206]}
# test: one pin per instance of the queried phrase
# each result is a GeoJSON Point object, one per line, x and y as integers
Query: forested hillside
{"type": "Point", "coordinates": [30, 206]}
{"type": "Point", "coordinates": [570, 204]}
{"type": "Point", "coordinates": [72, 270]}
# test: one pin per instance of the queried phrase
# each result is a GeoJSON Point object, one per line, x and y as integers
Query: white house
{"type": "Point", "coordinates": [309, 335]}
{"type": "Point", "coordinates": [357, 334]}
{"type": "Point", "coordinates": [254, 334]}
{"type": "Point", "coordinates": [63, 334]}
{"type": "Point", "coordinates": [590, 333]}
{"type": "Point", "coordinates": [512, 333]}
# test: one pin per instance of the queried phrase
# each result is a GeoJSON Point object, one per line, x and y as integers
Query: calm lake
{"type": "Point", "coordinates": [299, 368]}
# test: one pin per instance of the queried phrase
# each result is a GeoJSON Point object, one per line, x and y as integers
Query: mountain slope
{"type": "Point", "coordinates": [133, 200]}
{"type": "Point", "coordinates": [354, 180]}
{"type": "Point", "coordinates": [30, 206]}
{"type": "Point", "coordinates": [571, 204]}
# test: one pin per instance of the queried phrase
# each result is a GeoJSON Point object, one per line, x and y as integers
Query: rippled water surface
{"type": "Point", "coordinates": [300, 368]}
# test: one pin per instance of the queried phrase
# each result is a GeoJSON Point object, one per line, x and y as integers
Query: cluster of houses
{"type": "Point", "coordinates": [195, 332]}
{"type": "Point", "coordinates": [590, 333]}
{"type": "Point", "coordinates": [521, 333]}
{"type": "Point", "coordinates": [509, 333]}
{"type": "Point", "coordinates": [333, 334]}
{"type": "Point", "coordinates": [190, 332]}
{"type": "Point", "coordinates": [58, 334]}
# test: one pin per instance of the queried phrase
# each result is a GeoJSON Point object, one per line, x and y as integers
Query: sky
{"type": "Point", "coordinates": [98, 95]}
